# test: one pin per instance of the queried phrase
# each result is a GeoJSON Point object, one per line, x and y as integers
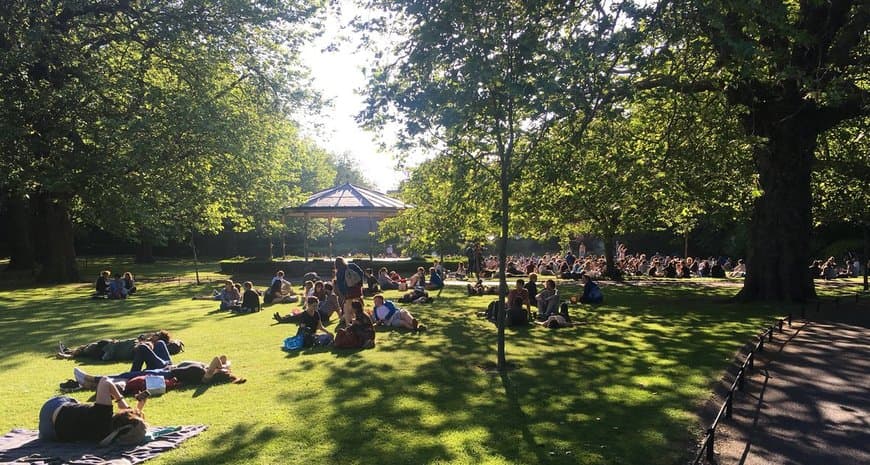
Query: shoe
{"type": "Point", "coordinates": [481, 314]}
{"type": "Point", "coordinates": [421, 328]}
{"type": "Point", "coordinates": [62, 348]}
{"type": "Point", "coordinates": [79, 376]}
{"type": "Point", "coordinates": [277, 317]}
{"type": "Point", "coordinates": [70, 385]}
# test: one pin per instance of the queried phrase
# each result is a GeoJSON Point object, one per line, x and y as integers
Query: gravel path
{"type": "Point", "coordinates": [808, 401]}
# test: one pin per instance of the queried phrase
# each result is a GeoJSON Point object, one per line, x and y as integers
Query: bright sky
{"type": "Point", "coordinates": [339, 77]}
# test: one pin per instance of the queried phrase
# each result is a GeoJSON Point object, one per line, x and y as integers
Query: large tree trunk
{"type": "Point", "coordinates": [22, 255]}
{"type": "Point", "coordinates": [59, 264]}
{"type": "Point", "coordinates": [778, 254]}
{"type": "Point", "coordinates": [145, 253]}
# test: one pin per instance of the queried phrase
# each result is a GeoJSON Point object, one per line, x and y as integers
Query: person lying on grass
{"type": "Point", "coordinates": [153, 356]}
{"type": "Point", "coordinates": [118, 350]}
{"type": "Point", "coordinates": [229, 297]}
{"type": "Point", "coordinates": [65, 419]}
{"type": "Point", "coordinates": [479, 289]}
{"type": "Point", "coordinates": [557, 320]}
{"type": "Point", "coordinates": [386, 313]}
{"type": "Point", "coordinates": [188, 373]}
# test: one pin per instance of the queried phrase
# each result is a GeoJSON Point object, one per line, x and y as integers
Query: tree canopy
{"type": "Point", "coordinates": [151, 119]}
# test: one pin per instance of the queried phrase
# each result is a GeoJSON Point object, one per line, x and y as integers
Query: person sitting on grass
{"type": "Point", "coordinates": [520, 292]}
{"type": "Point", "coordinates": [329, 304]}
{"type": "Point", "coordinates": [117, 290]}
{"type": "Point", "coordinates": [325, 308]}
{"type": "Point", "coordinates": [102, 285]}
{"type": "Point", "coordinates": [372, 285]}
{"type": "Point", "coordinates": [361, 332]}
{"type": "Point", "coordinates": [310, 320]}
{"type": "Point", "coordinates": [386, 313]}
{"type": "Point", "coordinates": [109, 350]}
{"type": "Point", "coordinates": [129, 283]}
{"type": "Point", "coordinates": [532, 288]}
{"type": "Point", "coordinates": [436, 281]}
{"type": "Point", "coordinates": [229, 297]}
{"type": "Point", "coordinates": [591, 292]}
{"type": "Point", "coordinates": [280, 291]}
{"type": "Point", "coordinates": [385, 281]}
{"type": "Point", "coordinates": [418, 279]}
{"type": "Point", "coordinates": [548, 300]}
{"type": "Point", "coordinates": [250, 300]}
{"type": "Point", "coordinates": [64, 419]}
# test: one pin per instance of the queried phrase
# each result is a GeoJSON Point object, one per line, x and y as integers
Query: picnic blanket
{"type": "Point", "coordinates": [23, 446]}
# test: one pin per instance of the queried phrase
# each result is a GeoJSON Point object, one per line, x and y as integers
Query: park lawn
{"type": "Point", "coordinates": [622, 389]}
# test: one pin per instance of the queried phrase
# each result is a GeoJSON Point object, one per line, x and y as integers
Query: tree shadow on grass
{"type": "Point", "coordinates": [621, 389]}
{"type": "Point", "coordinates": [242, 443]}
{"type": "Point", "coordinates": [68, 314]}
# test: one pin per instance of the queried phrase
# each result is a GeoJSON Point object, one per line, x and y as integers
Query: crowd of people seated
{"type": "Point", "coordinates": [570, 266]}
{"type": "Point", "coordinates": [849, 267]}
{"type": "Point", "coordinates": [118, 288]}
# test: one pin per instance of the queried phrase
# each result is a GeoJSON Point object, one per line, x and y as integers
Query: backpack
{"type": "Point", "coordinates": [352, 277]}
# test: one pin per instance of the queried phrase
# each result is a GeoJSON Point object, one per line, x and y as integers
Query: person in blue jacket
{"type": "Point", "coordinates": [591, 292]}
{"type": "Point", "coordinates": [436, 281]}
{"type": "Point", "coordinates": [388, 314]}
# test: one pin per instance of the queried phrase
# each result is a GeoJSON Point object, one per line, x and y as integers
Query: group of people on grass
{"type": "Point", "coordinates": [551, 311]}
{"type": "Point", "coordinates": [118, 288]}
{"type": "Point", "coordinates": [849, 267]}
{"type": "Point", "coordinates": [235, 297]}
{"type": "Point", "coordinates": [344, 296]}
{"type": "Point", "coordinates": [63, 418]}
{"type": "Point", "coordinates": [571, 266]}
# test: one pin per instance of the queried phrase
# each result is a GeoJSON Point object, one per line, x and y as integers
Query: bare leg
{"type": "Point", "coordinates": [407, 320]}
{"type": "Point", "coordinates": [217, 364]}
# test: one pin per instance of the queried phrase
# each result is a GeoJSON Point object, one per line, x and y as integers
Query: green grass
{"type": "Point", "coordinates": [622, 389]}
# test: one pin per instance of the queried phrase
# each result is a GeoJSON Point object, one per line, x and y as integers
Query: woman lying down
{"type": "Point", "coordinates": [183, 374]}
{"type": "Point", "coordinates": [65, 419]}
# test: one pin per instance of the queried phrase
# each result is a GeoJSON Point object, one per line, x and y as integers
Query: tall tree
{"type": "Point", "coordinates": [484, 82]}
{"type": "Point", "coordinates": [796, 69]}
{"type": "Point", "coordinates": [450, 206]}
{"type": "Point", "coordinates": [77, 77]}
{"type": "Point", "coordinates": [840, 190]}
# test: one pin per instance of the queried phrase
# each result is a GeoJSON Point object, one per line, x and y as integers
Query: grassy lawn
{"type": "Point", "coordinates": [622, 389]}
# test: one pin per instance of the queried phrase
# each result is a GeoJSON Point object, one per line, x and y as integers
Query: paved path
{"type": "Point", "coordinates": [809, 402]}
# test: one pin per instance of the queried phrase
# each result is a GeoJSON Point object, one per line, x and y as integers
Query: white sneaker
{"type": "Point", "coordinates": [79, 376]}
